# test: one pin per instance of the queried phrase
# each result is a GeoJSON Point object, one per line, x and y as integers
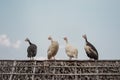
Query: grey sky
{"type": "Point", "coordinates": [37, 19]}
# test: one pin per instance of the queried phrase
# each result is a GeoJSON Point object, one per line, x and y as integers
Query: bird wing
{"type": "Point", "coordinates": [76, 52]}
{"type": "Point", "coordinates": [49, 53]}
{"type": "Point", "coordinates": [52, 50]}
{"type": "Point", "coordinates": [89, 50]}
{"type": "Point", "coordinates": [93, 51]}
{"type": "Point", "coordinates": [32, 50]}
{"type": "Point", "coordinates": [71, 51]}
{"type": "Point", "coordinates": [49, 49]}
{"type": "Point", "coordinates": [89, 44]}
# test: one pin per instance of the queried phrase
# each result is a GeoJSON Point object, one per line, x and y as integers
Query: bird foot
{"type": "Point", "coordinates": [32, 58]}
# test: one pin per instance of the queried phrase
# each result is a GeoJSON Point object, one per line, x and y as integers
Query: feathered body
{"type": "Point", "coordinates": [31, 50]}
{"type": "Point", "coordinates": [53, 48]}
{"type": "Point", "coordinates": [90, 50]}
{"type": "Point", "coordinates": [71, 51]}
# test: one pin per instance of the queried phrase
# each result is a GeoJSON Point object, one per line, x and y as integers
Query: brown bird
{"type": "Point", "coordinates": [53, 48]}
{"type": "Point", "coordinates": [90, 49]}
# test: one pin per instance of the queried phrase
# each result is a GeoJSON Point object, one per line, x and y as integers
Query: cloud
{"type": "Point", "coordinates": [16, 44]}
{"type": "Point", "coordinates": [5, 41]}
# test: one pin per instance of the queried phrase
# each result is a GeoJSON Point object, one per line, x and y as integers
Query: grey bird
{"type": "Point", "coordinates": [31, 50]}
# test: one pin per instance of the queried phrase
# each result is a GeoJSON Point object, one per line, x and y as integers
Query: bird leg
{"type": "Point", "coordinates": [53, 58]}
{"type": "Point", "coordinates": [70, 58]}
{"type": "Point", "coordinates": [32, 58]}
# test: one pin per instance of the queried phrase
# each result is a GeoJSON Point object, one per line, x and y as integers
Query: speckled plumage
{"type": "Point", "coordinates": [90, 50]}
{"type": "Point", "coordinates": [31, 50]}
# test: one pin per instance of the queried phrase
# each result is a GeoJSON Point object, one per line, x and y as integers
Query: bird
{"type": "Point", "coordinates": [70, 50]}
{"type": "Point", "coordinates": [31, 50]}
{"type": "Point", "coordinates": [53, 48]}
{"type": "Point", "coordinates": [90, 50]}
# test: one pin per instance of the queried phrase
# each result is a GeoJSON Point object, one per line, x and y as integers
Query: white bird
{"type": "Point", "coordinates": [71, 51]}
{"type": "Point", "coordinates": [53, 48]}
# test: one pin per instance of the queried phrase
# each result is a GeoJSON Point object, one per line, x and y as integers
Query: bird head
{"type": "Point", "coordinates": [84, 36]}
{"type": "Point", "coordinates": [65, 38]}
{"type": "Point", "coordinates": [27, 40]}
{"type": "Point", "coordinates": [49, 38]}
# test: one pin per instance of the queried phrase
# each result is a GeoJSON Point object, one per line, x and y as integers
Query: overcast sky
{"type": "Point", "coordinates": [37, 19]}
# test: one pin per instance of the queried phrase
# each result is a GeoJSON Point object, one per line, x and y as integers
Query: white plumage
{"type": "Point", "coordinates": [70, 50]}
{"type": "Point", "coordinates": [53, 48]}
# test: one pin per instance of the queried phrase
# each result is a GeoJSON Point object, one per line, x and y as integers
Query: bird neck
{"type": "Point", "coordinates": [51, 40]}
{"type": "Point", "coordinates": [86, 40]}
{"type": "Point", "coordinates": [29, 42]}
{"type": "Point", "coordinates": [66, 41]}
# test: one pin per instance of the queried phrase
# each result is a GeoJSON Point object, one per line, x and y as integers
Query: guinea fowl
{"type": "Point", "coordinates": [32, 50]}
{"type": "Point", "coordinates": [90, 49]}
{"type": "Point", "coordinates": [71, 51]}
{"type": "Point", "coordinates": [53, 48]}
